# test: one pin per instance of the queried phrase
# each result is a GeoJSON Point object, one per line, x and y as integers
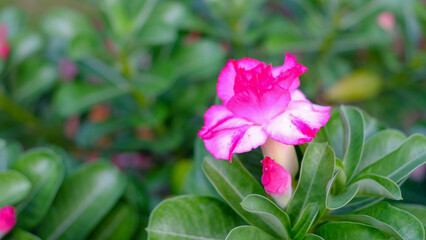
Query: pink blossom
{"type": "Point", "coordinates": [275, 177]}
{"type": "Point", "coordinates": [7, 219]}
{"type": "Point", "coordinates": [4, 46]}
{"type": "Point", "coordinates": [260, 102]}
{"type": "Point", "coordinates": [386, 20]}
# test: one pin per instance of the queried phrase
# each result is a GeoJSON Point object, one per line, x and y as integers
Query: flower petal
{"type": "Point", "coordinates": [288, 74]}
{"type": "Point", "coordinates": [275, 178]}
{"type": "Point", "coordinates": [299, 123]}
{"type": "Point", "coordinates": [225, 134]}
{"type": "Point", "coordinates": [259, 106]}
{"type": "Point", "coordinates": [225, 85]}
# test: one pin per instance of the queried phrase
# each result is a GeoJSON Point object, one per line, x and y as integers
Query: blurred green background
{"type": "Point", "coordinates": [129, 81]}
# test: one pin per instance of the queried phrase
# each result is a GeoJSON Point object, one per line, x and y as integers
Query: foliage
{"type": "Point", "coordinates": [92, 201]}
{"type": "Point", "coordinates": [339, 194]}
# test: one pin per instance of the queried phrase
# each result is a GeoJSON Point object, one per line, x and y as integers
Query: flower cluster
{"type": "Point", "coordinates": [262, 107]}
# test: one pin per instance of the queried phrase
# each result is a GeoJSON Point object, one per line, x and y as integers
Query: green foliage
{"type": "Point", "coordinates": [180, 218]}
{"type": "Point", "coordinates": [90, 203]}
{"type": "Point", "coordinates": [333, 199]}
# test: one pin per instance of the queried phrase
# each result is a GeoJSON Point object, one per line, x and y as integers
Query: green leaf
{"type": "Point", "coordinates": [19, 234]}
{"type": "Point", "coordinates": [367, 220]}
{"type": "Point", "coordinates": [120, 223]}
{"type": "Point", "coordinates": [337, 201]}
{"type": "Point", "coordinates": [379, 145]}
{"type": "Point", "coordinates": [24, 46]}
{"type": "Point", "coordinates": [9, 153]}
{"type": "Point", "coordinates": [419, 211]}
{"type": "Point", "coordinates": [316, 171]}
{"type": "Point", "coordinates": [248, 232]}
{"type": "Point", "coordinates": [305, 221]}
{"type": "Point", "coordinates": [353, 141]}
{"type": "Point", "coordinates": [233, 182]}
{"type": "Point", "coordinates": [191, 217]}
{"type": "Point", "coordinates": [371, 127]}
{"type": "Point", "coordinates": [402, 161]}
{"type": "Point", "coordinates": [348, 231]}
{"type": "Point", "coordinates": [332, 133]}
{"type": "Point", "coordinates": [270, 213]}
{"type": "Point", "coordinates": [73, 98]}
{"type": "Point", "coordinates": [45, 170]}
{"type": "Point", "coordinates": [36, 80]}
{"type": "Point", "coordinates": [408, 226]}
{"type": "Point", "coordinates": [14, 187]}
{"type": "Point", "coordinates": [83, 199]}
{"type": "Point", "coordinates": [312, 236]}
{"type": "Point", "coordinates": [372, 185]}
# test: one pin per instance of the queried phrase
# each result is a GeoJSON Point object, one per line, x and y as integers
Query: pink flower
{"type": "Point", "coordinates": [7, 219]}
{"type": "Point", "coordinates": [260, 102]}
{"type": "Point", "coordinates": [386, 20]}
{"type": "Point", "coordinates": [275, 177]}
{"type": "Point", "coordinates": [4, 46]}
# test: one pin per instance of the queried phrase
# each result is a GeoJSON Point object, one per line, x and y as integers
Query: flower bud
{"type": "Point", "coordinates": [285, 155]}
{"type": "Point", "coordinates": [277, 181]}
{"type": "Point", "coordinates": [7, 220]}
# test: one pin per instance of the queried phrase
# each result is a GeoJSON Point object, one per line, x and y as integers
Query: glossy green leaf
{"type": "Point", "coordinates": [400, 162]}
{"type": "Point", "coordinates": [9, 153]}
{"type": "Point", "coordinates": [73, 98]}
{"type": "Point", "coordinates": [82, 201]}
{"type": "Point", "coordinates": [371, 127]}
{"type": "Point", "coordinates": [349, 231]}
{"type": "Point", "coordinates": [353, 141]}
{"type": "Point", "coordinates": [233, 182]}
{"type": "Point", "coordinates": [191, 217]}
{"type": "Point", "coordinates": [304, 223]}
{"type": "Point", "coordinates": [419, 211]}
{"type": "Point", "coordinates": [312, 236]}
{"type": "Point", "coordinates": [379, 145]}
{"type": "Point", "coordinates": [20, 234]}
{"type": "Point", "coordinates": [369, 221]}
{"type": "Point", "coordinates": [14, 187]}
{"type": "Point", "coordinates": [45, 170]}
{"type": "Point", "coordinates": [248, 232]}
{"type": "Point", "coordinates": [341, 199]}
{"type": "Point", "coordinates": [270, 213]}
{"type": "Point", "coordinates": [316, 171]}
{"type": "Point", "coordinates": [407, 226]}
{"type": "Point", "coordinates": [377, 186]}
{"type": "Point", "coordinates": [120, 223]}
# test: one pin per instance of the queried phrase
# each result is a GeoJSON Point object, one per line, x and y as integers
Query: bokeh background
{"type": "Point", "coordinates": [129, 81]}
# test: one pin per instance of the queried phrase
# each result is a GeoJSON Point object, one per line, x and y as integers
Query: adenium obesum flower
{"type": "Point", "coordinates": [277, 181]}
{"type": "Point", "coordinates": [260, 102]}
{"type": "Point", "coordinates": [7, 220]}
{"type": "Point", "coordinates": [4, 46]}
